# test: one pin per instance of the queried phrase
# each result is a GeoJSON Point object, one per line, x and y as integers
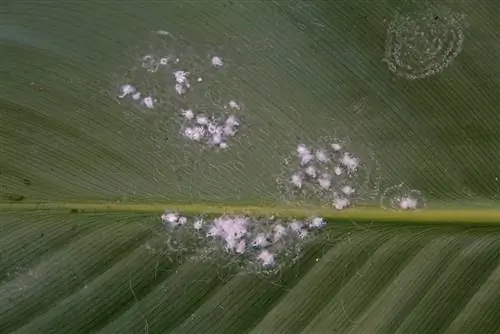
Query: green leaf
{"type": "Point", "coordinates": [85, 176]}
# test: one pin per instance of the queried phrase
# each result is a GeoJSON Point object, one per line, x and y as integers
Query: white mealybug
{"type": "Point", "coordinates": [214, 231]}
{"type": "Point", "coordinates": [230, 244]}
{"type": "Point", "coordinates": [311, 171]}
{"type": "Point", "coordinates": [337, 170]}
{"type": "Point", "coordinates": [297, 180]}
{"type": "Point", "coordinates": [336, 147]}
{"type": "Point", "coordinates": [223, 145]}
{"type": "Point", "coordinates": [170, 217]}
{"type": "Point", "coordinates": [350, 162]}
{"type": "Point", "coordinates": [202, 120]}
{"type": "Point", "coordinates": [181, 77]}
{"type": "Point", "coordinates": [302, 150]}
{"type": "Point", "coordinates": [234, 105]}
{"type": "Point", "coordinates": [408, 203]}
{"type": "Point", "coordinates": [302, 234]}
{"type": "Point", "coordinates": [164, 61]}
{"type": "Point", "coordinates": [260, 241]}
{"type": "Point", "coordinates": [187, 114]}
{"type": "Point", "coordinates": [317, 222]}
{"type": "Point", "coordinates": [232, 121]}
{"type": "Point", "coordinates": [321, 156]}
{"type": "Point", "coordinates": [150, 64]}
{"type": "Point", "coordinates": [217, 61]}
{"type": "Point", "coordinates": [402, 197]}
{"type": "Point", "coordinates": [240, 247]}
{"type": "Point", "coordinates": [340, 203]}
{"type": "Point", "coordinates": [296, 225]}
{"type": "Point", "coordinates": [136, 96]}
{"type": "Point", "coordinates": [149, 102]}
{"type": "Point", "coordinates": [180, 89]}
{"type": "Point", "coordinates": [279, 231]}
{"type": "Point", "coordinates": [216, 139]}
{"type": "Point", "coordinates": [305, 159]}
{"type": "Point", "coordinates": [267, 258]}
{"type": "Point", "coordinates": [200, 79]}
{"type": "Point", "coordinates": [182, 220]}
{"type": "Point", "coordinates": [194, 133]}
{"type": "Point", "coordinates": [325, 181]}
{"type": "Point", "coordinates": [126, 90]}
{"type": "Point", "coordinates": [213, 128]}
{"type": "Point", "coordinates": [229, 131]}
{"type": "Point", "coordinates": [198, 224]}
{"type": "Point", "coordinates": [347, 190]}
